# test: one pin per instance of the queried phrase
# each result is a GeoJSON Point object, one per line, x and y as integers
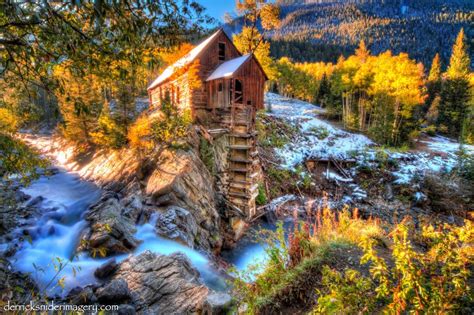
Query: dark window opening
{"type": "Point", "coordinates": [238, 92]}
{"type": "Point", "coordinates": [220, 87]}
{"type": "Point", "coordinates": [221, 51]}
{"type": "Point", "coordinates": [167, 98]}
{"type": "Point", "coordinates": [249, 102]}
{"type": "Point", "coordinates": [231, 90]}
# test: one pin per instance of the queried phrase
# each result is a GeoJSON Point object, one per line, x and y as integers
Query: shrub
{"type": "Point", "coordinates": [16, 158]}
{"type": "Point", "coordinates": [264, 275]}
{"type": "Point", "coordinates": [279, 175]}
{"type": "Point", "coordinates": [430, 130]}
{"type": "Point", "coordinates": [305, 177]}
{"type": "Point", "coordinates": [261, 198]}
{"type": "Point", "coordinates": [432, 278]}
{"type": "Point", "coordinates": [466, 164]}
{"type": "Point", "coordinates": [8, 120]}
{"type": "Point", "coordinates": [273, 132]}
{"type": "Point", "coordinates": [347, 293]}
{"type": "Point", "coordinates": [434, 281]}
{"type": "Point", "coordinates": [140, 134]}
{"type": "Point", "coordinates": [207, 155]}
{"type": "Point", "coordinates": [109, 133]}
{"type": "Point", "coordinates": [173, 126]}
{"type": "Point", "coordinates": [382, 157]}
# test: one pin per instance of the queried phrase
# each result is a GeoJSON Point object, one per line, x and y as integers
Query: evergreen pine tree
{"type": "Point", "coordinates": [433, 87]}
{"type": "Point", "coordinates": [455, 94]}
{"type": "Point", "coordinates": [324, 91]}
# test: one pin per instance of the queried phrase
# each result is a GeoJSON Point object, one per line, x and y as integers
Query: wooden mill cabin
{"type": "Point", "coordinates": [223, 89]}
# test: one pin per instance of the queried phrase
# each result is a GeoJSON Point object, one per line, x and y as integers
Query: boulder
{"type": "Point", "coordinates": [109, 229]}
{"type": "Point", "coordinates": [35, 201]}
{"type": "Point", "coordinates": [177, 224]}
{"type": "Point", "coordinates": [162, 284]}
{"type": "Point", "coordinates": [106, 269]}
{"type": "Point", "coordinates": [15, 207]}
{"type": "Point", "coordinates": [14, 286]}
{"type": "Point", "coordinates": [182, 180]}
{"type": "Point", "coordinates": [114, 292]}
{"type": "Point", "coordinates": [82, 296]}
{"type": "Point", "coordinates": [388, 193]}
{"type": "Point", "coordinates": [126, 309]}
{"type": "Point", "coordinates": [21, 196]}
{"type": "Point", "coordinates": [133, 207]}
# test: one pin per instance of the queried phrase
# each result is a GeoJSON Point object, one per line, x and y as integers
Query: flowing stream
{"type": "Point", "coordinates": [54, 236]}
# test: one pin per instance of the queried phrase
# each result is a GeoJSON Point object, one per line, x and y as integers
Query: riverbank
{"type": "Point", "coordinates": [99, 213]}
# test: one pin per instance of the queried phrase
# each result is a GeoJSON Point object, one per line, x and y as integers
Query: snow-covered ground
{"type": "Point", "coordinates": [320, 139]}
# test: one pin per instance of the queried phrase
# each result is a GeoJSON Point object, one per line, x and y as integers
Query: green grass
{"type": "Point", "coordinates": [320, 132]}
{"type": "Point", "coordinates": [207, 155]}
{"type": "Point", "coordinates": [322, 255]}
{"type": "Point", "coordinates": [261, 198]}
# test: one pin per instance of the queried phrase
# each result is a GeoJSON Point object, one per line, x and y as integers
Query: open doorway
{"type": "Point", "coordinates": [239, 96]}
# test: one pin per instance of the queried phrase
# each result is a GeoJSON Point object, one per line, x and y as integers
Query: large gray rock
{"type": "Point", "coordinates": [15, 207]}
{"type": "Point", "coordinates": [82, 296]}
{"type": "Point", "coordinates": [133, 206]}
{"type": "Point", "coordinates": [114, 292]}
{"type": "Point", "coordinates": [109, 229]}
{"type": "Point", "coordinates": [181, 179]}
{"type": "Point", "coordinates": [177, 224]}
{"type": "Point", "coordinates": [14, 286]}
{"type": "Point", "coordinates": [126, 309]}
{"type": "Point", "coordinates": [106, 269]}
{"type": "Point", "coordinates": [163, 284]}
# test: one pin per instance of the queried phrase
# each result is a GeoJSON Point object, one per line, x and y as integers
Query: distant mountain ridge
{"type": "Point", "coordinates": [322, 30]}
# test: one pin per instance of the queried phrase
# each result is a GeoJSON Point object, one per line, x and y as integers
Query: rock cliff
{"type": "Point", "coordinates": [173, 183]}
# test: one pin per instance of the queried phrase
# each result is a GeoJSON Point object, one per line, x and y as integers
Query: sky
{"type": "Point", "coordinates": [217, 8]}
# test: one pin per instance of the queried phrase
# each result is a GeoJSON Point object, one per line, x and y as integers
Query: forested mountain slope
{"type": "Point", "coordinates": [314, 30]}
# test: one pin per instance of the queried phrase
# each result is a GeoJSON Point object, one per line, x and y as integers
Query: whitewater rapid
{"type": "Point", "coordinates": [52, 238]}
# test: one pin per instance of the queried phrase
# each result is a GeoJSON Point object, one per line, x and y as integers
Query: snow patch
{"type": "Point", "coordinates": [319, 139]}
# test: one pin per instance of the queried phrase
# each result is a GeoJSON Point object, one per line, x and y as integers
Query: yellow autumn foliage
{"type": "Point", "coordinates": [140, 134]}
{"type": "Point", "coordinates": [8, 120]}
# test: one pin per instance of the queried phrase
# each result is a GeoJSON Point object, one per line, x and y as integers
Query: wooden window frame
{"type": "Point", "coordinates": [219, 56]}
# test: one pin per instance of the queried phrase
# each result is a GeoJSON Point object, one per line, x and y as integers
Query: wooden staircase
{"type": "Point", "coordinates": [242, 187]}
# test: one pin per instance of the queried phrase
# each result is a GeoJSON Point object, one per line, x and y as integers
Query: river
{"type": "Point", "coordinates": [55, 233]}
